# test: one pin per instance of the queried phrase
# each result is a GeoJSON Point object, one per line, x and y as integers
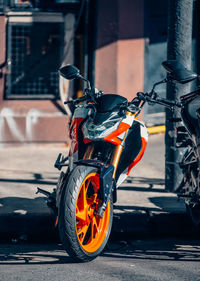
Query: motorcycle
{"type": "Point", "coordinates": [188, 138]}
{"type": "Point", "coordinates": [107, 141]}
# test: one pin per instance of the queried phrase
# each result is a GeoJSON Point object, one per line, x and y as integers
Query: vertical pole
{"type": "Point", "coordinates": [197, 36]}
{"type": "Point", "coordinates": [179, 48]}
{"type": "Point", "coordinates": [92, 40]}
{"type": "Point", "coordinates": [86, 30]}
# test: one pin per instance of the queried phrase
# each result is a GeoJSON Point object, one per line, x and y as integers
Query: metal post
{"type": "Point", "coordinates": [86, 30]}
{"type": "Point", "coordinates": [179, 48]}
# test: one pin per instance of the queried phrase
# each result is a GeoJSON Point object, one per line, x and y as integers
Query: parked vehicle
{"type": "Point", "coordinates": [107, 141]}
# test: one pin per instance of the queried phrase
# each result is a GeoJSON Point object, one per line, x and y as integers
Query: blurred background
{"type": "Point", "coordinates": [117, 44]}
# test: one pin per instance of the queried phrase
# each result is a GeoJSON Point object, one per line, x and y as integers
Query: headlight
{"type": "Point", "coordinates": [97, 132]}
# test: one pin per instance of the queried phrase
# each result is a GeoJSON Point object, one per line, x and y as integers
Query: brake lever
{"type": "Point", "coordinates": [69, 101]}
{"type": "Point", "coordinates": [76, 100]}
{"type": "Point", "coordinates": [152, 102]}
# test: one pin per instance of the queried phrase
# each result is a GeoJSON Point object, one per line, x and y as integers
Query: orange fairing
{"type": "Point", "coordinates": [113, 137]}
{"type": "Point", "coordinates": [74, 135]}
{"type": "Point", "coordinates": [138, 158]}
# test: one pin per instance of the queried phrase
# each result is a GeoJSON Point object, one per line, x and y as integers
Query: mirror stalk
{"type": "Point", "coordinates": [84, 79]}
{"type": "Point", "coordinates": [158, 83]}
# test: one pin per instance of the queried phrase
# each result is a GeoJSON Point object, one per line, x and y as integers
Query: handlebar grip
{"type": "Point", "coordinates": [69, 101]}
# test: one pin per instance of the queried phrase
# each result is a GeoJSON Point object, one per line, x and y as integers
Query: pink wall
{"type": "Point", "coordinates": [120, 67]}
{"type": "Point", "coordinates": [23, 121]}
{"type": "Point", "coordinates": [120, 47]}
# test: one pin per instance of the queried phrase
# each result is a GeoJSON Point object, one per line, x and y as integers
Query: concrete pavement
{"type": "Point", "coordinates": [143, 206]}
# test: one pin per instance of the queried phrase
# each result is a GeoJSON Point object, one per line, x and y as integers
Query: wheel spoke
{"type": "Point", "coordinates": [88, 182]}
{"type": "Point", "coordinates": [95, 197]}
{"type": "Point", "coordinates": [95, 224]}
{"type": "Point", "coordinates": [94, 229]}
{"type": "Point", "coordinates": [83, 196]}
{"type": "Point", "coordinates": [81, 214]}
{"type": "Point", "coordinates": [82, 232]}
{"type": "Point", "coordinates": [82, 204]}
{"type": "Point", "coordinates": [91, 200]}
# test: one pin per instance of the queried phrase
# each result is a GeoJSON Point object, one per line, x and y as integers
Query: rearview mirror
{"type": "Point", "coordinates": [179, 72]}
{"type": "Point", "coordinates": [69, 72]}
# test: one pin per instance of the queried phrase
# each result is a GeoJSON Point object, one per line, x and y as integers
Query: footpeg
{"type": "Point", "coordinates": [61, 161]}
{"type": "Point", "coordinates": [51, 198]}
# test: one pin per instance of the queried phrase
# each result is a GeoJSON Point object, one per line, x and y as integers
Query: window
{"type": "Point", "coordinates": [34, 54]}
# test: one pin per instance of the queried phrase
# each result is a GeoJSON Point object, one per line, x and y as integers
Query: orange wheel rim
{"type": "Point", "coordinates": [90, 228]}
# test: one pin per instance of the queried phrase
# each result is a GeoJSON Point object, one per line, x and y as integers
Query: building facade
{"type": "Point", "coordinates": [118, 44]}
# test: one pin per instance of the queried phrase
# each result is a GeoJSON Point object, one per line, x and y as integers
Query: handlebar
{"type": "Point", "coordinates": [89, 94]}
{"type": "Point", "coordinates": [153, 98]}
{"type": "Point", "coordinates": [133, 106]}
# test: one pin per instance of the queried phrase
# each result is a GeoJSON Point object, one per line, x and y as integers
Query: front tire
{"type": "Point", "coordinates": [83, 233]}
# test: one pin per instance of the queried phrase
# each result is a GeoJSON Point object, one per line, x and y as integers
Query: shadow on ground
{"type": "Point", "coordinates": [184, 249]}
{"type": "Point", "coordinates": [25, 217]}
{"type": "Point", "coordinates": [37, 179]}
{"type": "Point", "coordinates": [173, 249]}
{"type": "Point", "coordinates": [33, 254]}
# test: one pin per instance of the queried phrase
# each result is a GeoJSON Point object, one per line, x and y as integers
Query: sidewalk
{"type": "Point", "coordinates": [143, 206]}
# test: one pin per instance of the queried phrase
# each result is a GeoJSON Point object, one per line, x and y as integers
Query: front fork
{"type": "Point", "coordinates": [114, 158]}
{"type": "Point", "coordinates": [107, 175]}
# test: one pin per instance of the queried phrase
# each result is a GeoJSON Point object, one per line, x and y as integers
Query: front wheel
{"type": "Point", "coordinates": [83, 233]}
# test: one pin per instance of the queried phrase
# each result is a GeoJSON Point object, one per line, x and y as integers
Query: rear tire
{"type": "Point", "coordinates": [83, 233]}
{"type": "Point", "coordinates": [194, 214]}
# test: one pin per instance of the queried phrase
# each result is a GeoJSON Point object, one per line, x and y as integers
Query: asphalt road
{"type": "Point", "coordinates": [125, 259]}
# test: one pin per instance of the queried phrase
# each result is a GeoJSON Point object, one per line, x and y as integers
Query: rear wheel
{"type": "Point", "coordinates": [83, 233]}
{"type": "Point", "coordinates": [191, 183]}
{"type": "Point", "coordinates": [193, 211]}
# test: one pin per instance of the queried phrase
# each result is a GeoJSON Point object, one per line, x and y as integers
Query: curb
{"type": "Point", "coordinates": [40, 228]}
{"type": "Point", "coordinates": [156, 129]}
{"type": "Point", "coordinates": [32, 227]}
{"type": "Point", "coordinates": [161, 224]}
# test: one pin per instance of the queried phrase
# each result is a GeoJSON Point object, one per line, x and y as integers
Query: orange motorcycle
{"type": "Point", "coordinates": [107, 141]}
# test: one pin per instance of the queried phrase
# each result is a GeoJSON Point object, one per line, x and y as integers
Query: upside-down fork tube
{"type": "Point", "coordinates": [117, 154]}
{"type": "Point", "coordinates": [118, 149]}
{"type": "Point", "coordinates": [89, 151]}
{"type": "Point", "coordinates": [116, 157]}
